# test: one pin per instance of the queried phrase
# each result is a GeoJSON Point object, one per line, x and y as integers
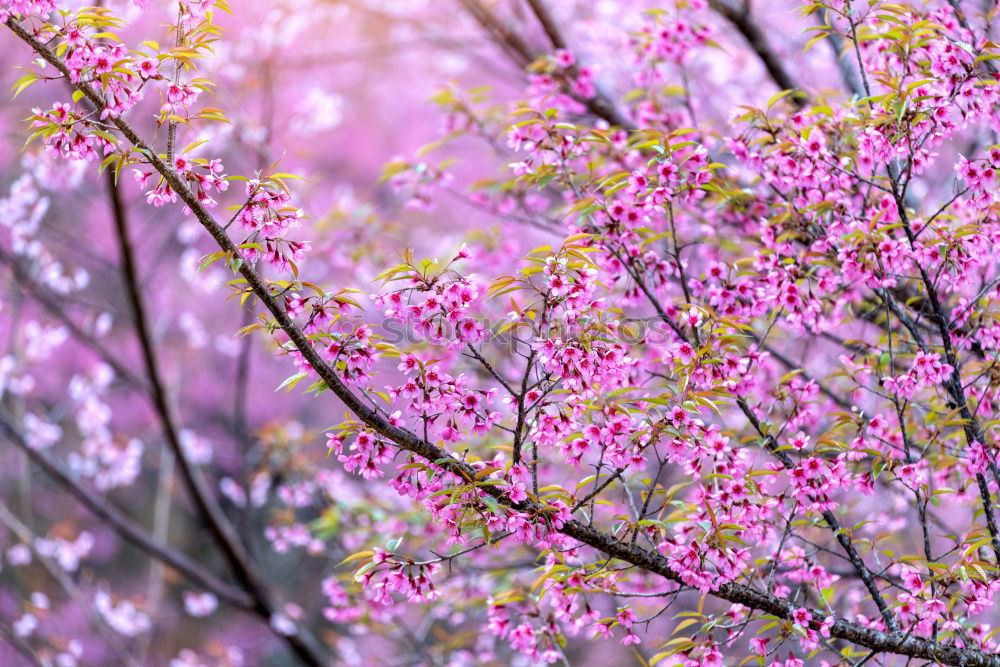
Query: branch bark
{"type": "Point", "coordinates": [744, 22]}
{"type": "Point", "coordinates": [301, 643]}
{"type": "Point", "coordinates": [511, 42]}
{"type": "Point", "coordinates": [49, 302]}
{"type": "Point", "coordinates": [126, 528]}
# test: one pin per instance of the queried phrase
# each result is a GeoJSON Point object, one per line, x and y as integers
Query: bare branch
{"type": "Point", "coordinates": [221, 529]}
{"type": "Point", "coordinates": [128, 529]}
{"type": "Point", "coordinates": [744, 22]}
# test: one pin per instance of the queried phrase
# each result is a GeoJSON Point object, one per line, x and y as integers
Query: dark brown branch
{"type": "Point", "coordinates": [128, 529]}
{"type": "Point", "coordinates": [508, 40]}
{"type": "Point", "coordinates": [66, 582]}
{"type": "Point", "coordinates": [847, 71]}
{"type": "Point", "coordinates": [548, 24]}
{"type": "Point", "coordinates": [747, 26]}
{"type": "Point", "coordinates": [48, 300]}
{"type": "Point", "coordinates": [523, 55]}
{"type": "Point", "coordinates": [831, 520]}
{"type": "Point", "coordinates": [222, 531]}
{"type": "Point", "coordinates": [20, 645]}
{"type": "Point", "coordinates": [519, 427]}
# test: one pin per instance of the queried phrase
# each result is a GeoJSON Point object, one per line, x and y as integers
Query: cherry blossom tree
{"type": "Point", "coordinates": [675, 344]}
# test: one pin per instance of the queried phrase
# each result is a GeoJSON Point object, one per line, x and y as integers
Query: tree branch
{"type": "Point", "coordinates": [744, 22]}
{"type": "Point", "coordinates": [128, 529]}
{"type": "Point", "coordinates": [303, 645]}
{"type": "Point", "coordinates": [831, 520]}
{"type": "Point", "coordinates": [48, 301]}
{"type": "Point", "coordinates": [523, 55]}
{"type": "Point", "coordinates": [20, 645]}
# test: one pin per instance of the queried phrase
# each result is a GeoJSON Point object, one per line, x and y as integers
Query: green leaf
{"type": "Point", "coordinates": [290, 382]}
{"type": "Point", "coordinates": [21, 84]}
